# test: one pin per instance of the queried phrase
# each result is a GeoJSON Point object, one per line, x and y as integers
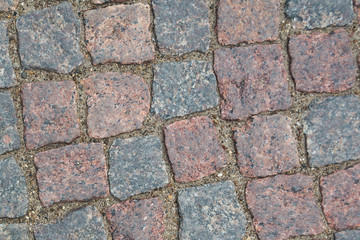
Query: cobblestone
{"type": "Point", "coordinates": [347, 235]}
{"type": "Point", "coordinates": [14, 232]}
{"type": "Point", "coordinates": [7, 5]}
{"type": "Point", "coordinates": [105, 1]}
{"type": "Point", "coordinates": [7, 75]}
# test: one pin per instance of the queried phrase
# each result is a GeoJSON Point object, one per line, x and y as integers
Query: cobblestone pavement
{"type": "Point", "coordinates": [179, 119]}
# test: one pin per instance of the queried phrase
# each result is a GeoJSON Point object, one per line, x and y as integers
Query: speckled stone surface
{"type": "Point", "coordinates": [49, 39]}
{"type": "Point", "coordinates": [284, 206]}
{"type": "Point", "coordinates": [348, 235]}
{"type": "Point", "coordinates": [83, 223]}
{"type": "Point", "coordinates": [211, 211]}
{"type": "Point", "coordinates": [194, 149]}
{"type": "Point", "coordinates": [7, 5]}
{"type": "Point", "coordinates": [117, 103]}
{"type": "Point", "coordinates": [251, 80]}
{"type": "Point", "coordinates": [181, 88]}
{"type": "Point", "coordinates": [241, 21]}
{"type": "Point", "coordinates": [266, 146]}
{"type": "Point", "coordinates": [105, 1]}
{"type": "Point", "coordinates": [312, 14]}
{"type": "Point", "coordinates": [137, 219]}
{"type": "Point", "coordinates": [339, 139]}
{"type": "Point", "coordinates": [72, 173]}
{"type": "Point", "coordinates": [14, 232]}
{"type": "Point", "coordinates": [7, 75]}
{"type": "Point", "coordinates": [322, 62]}
{"type": "Point", "coordinates": [341, 202]}
{"type": "Point", "coordinates": [136, 166]}
{"type": "Point", "coordinates": [13, 193]}
{"type": "Point", "coordinates": [119, 33]}
{"type": "Point", "coordinates": [182, 26]}
{"type": "Point", "coordinates": [9, 135]}
{"type": "Point", "coordinates": [50, 114]}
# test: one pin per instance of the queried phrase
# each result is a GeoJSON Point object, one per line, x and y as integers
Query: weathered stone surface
{"type": "Point", "coordinates": [7, 75]}
{"type": "Point", "coordinates": [284, 207]}
{"type": "Point", "coordinates": [182, 26]}
{"type": "Point", "coordinates": [137, 219]}
{"type": "Point", "coordinates": [248, 21]}
{"type": "Point", "coordinates": [194, 149]}
{"type": "Point", "coordinates": [14, 232]}
{"type": "Point", "coordinates": [211, 211]}
{"type": "Point", "coordinates": [251, 80]}
{"type": "Point", "coordinates": [119, 33]}
{"type": "Point", "coordinates": [13, 193]}
{"type": "Point", "coordinates": [9, 136]}
{"type": "Point", "coordinates": [341, 202]}
{"type": "Point", "coordinates": [332, 128]}
{"type": "Point", "coordinates": [105, 1]}
{"type": "Point", "coordinates": [7, 5]}
{"type": "Point", "coordinates": [181, 88]}
{"type": "Point", "coordinates": [50, 114]}
{"type": "Point", "coordinates": [312, 14]}
{"type": "Point", "coordinates": [322, 62]}
{"type": "Point", "coordinates": [136, 166]}
{"type": "Point", "coordinates": [348, 235]}
{"type": "Point", "coordinates": [49, 39]}
{"type": "Point", "coordinates": [266, 146]}
{"type": "Point", "coordinates": [84, 223]}
{"type": "Point", "coordinates": [72, 173]}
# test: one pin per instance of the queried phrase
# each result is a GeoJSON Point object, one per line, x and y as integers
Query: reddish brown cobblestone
{"type": "Point", "coordinates": [50, 114]}
{"type": "Point", "coordinates": [251, 80]}
{"type": "Point", "coordinates": [6, 5]}
{"type": "Point", "coordinates": [117, 103]}
{"type": "Point", "coordinates": [7, 75]}
{"type": "Point", "coordinates": [137, 219]}
{"type": "Point", "coordinates": [322, 62]}
{"type": "Point", "coordinates": [284, 206]}
{"type": "Point", "coordinates": [72, 173]}
{"type": "Point", "coordinates": [341, 202]}
{"type": "Point", "coordinates": [193, 148]}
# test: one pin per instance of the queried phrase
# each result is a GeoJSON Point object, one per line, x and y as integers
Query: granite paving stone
{"type": "Point", "coordinates": [13, 192]}
{"type": "Point", "coordinates": [136, 166]}
{"type": "Point", "coordinates": [14, 232]}
{"type": "Point", "coordinates": [49, 39]}
{"type": "Point", "coordinates": [241, 21]}
{"type": "Point", "coordinates": [117, 103]}
{"type": "Point", "coordinates": [137, 219]}
{"type": "Point", "coordinates": [251, 80]}
{"type": "Point", "coordinates": [7, 75]}
{"type": "Point", "coordinates": [7, 5]}
{"type": "Point", "coordinates": [322, 62]}
{"type": "Point", "coordinates": [119, 33]}
{"type": "Point", "coordinates": [266, 146]}
{"type": "Point", "coordinates": [341, 202]}
{"type": "Point", "coordinates": [9, 135]}
{"type": "Point", "coordinates": [83, 223]}
{"type": "Point", "coordinates": [284, 206]}
{"type": "Point", "coordinates": [72, 173]}
{"type": "Point", "coordinates": [181, 88]}
{"type": "Point", "coordinates": [105, 1]}
{"type": "Point", "coordinates": [182, 26]}
{"type": "Point", "coordinates": [50, 114]}
{"type": "Point", "coordinates": [194, 149]}
{"type": "Point", "coordinates": [332, 128]}
{"type": "Point", "coordinates": [211, 211]}
{"type": "Point", "coordinates": [348, 235]}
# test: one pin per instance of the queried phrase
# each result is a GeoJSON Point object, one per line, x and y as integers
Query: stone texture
{"type": "Point", "coordinates": [9, 136]}
{"type": "Point", "coordinates": [117, 103]}
{"type": "Point", "coordinates": [72, 173]}
{"type": "Point", "coordinates": [119, 33]}
{"type": "Point", "coordinates": [105, 1]}
{"type": "Point", "coordinates": [182, 26]}
{"type": "Point", "coordinates": [49, 39]}
{"type": "Point", "coordinates": [136, 166]}
{"type": "Point", "coordinates": [348, 235]}
{"type": "Point", "coordinates": [7, 5]}
{"type": "Point", "coordinates": [284, 207]}
{"type": "Point", "coordinates": [194, 149]}
{"type": "Point", "coordinates": [14, 232]}
{"type": "Point", "coordinates": [211, 211]}
{"type": "Point", "coordinates": [181, 88]}
{"type": "Point", "coordinates": [83, 223]}
{"type": "Point", "coordinates": [247, 21]}
{"type": "Point", "coordinates": [322, 62]}
{"type": "Point", "coordinates": [341, 202]}
{"type": "Point", "coordinates": [137, 219]}
{"type": "Point", "coordinates": [266, 146]}
{"type": "Point", "coordinates": [50, 114]}
{"type": "Point", "coordinates": [7, 75]}
{"type": "Point", "coordinates": [251, 80]}
{"type": "Point", "coordinates": [332, 128]}
{"type": "Point", "coordinates": [312, 14]}
{"type": "Point", "coordinates": [13, 193]}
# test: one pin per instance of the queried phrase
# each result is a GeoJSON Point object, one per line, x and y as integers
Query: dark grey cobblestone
{"type": "Point", "coordinates": [14, 232]}
{"type": "Point", "coordinates": [7, 75]}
